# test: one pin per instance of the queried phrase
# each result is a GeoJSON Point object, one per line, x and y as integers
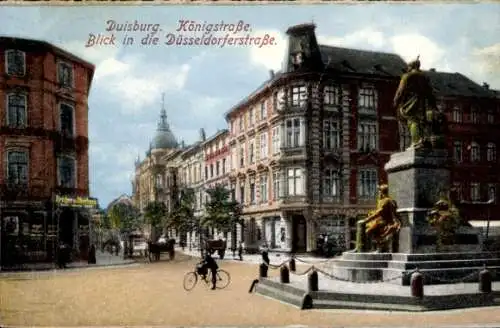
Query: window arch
{"type": "Point", "coordinates": [491, 152]}
{"type": "Point", "coordinates": [475, 152]}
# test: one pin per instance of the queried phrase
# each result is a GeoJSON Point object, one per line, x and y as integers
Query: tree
{"type": "Point", "coordinates": [155, 215]}
{"type": "Point", "coordinates": [124, 217]}
{"type": "Point", "coordinates": [182, 217]}
{"type": "Point", "coordinates": [222, 213]}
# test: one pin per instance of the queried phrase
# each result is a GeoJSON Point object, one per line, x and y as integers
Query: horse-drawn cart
{"type": "Point", "coordinates": [218, 245]}
{"type": "Point", "coordinates": [161, 246]}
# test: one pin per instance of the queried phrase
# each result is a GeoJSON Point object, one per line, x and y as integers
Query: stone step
{"type": "Point", "coordinates": [439, 276]}
{"type": "Point", "coordinates": [361, 264]}
{"type": "Point", "coordinates": [443, 256]}
{"type": "Point", "coordinates": [275, 293]}
{"type": "Point", "coordinates": [283, 288]}
{"type": "Point", "coordinates": [366, 256]}
{"type": "Point", "coordinates": [443, 264]}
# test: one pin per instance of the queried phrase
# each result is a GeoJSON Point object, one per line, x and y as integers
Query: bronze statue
{"type": "Point", "coordinates": [416, 105]}
{"type": "Point", "coordinates": [444, 217]}
{"type": "Point", "coordinates": [381, 224]}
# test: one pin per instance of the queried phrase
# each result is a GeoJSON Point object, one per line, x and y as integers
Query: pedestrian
{"type": "Point", "coordinates": [240, 250]}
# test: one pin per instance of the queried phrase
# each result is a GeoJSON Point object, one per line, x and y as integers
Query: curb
{"type": "Point", "coordinates": [70, 268]}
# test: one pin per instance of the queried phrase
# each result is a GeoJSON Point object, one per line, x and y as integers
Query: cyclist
{"type": "Point", "coordinates": [209, 263]}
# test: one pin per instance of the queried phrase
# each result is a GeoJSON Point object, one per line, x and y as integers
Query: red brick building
{"type": "Point", "coordinates": [308, 147]}
{"type": "Point", "coordinates": [44, 145]}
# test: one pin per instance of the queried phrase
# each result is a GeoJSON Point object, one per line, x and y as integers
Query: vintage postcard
{"type": "Point", "coordinates": [250, 165]}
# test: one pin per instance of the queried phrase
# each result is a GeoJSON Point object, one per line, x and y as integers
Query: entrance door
{"type": "Point", "coordinates": [299, 234]}
{"type": "Point", "coordinates": [66, 227]}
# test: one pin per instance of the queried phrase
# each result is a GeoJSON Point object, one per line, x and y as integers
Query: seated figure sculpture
{"type": "Point", "coordinates": [381, 224]}
{"type": "Point", "coordinates": [444, 217]}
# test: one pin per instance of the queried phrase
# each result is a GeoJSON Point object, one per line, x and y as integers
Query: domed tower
{"type": "Point", "coordinates": [164, 138]}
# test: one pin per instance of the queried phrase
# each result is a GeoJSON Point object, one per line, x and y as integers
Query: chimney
{"type": "Point", "coordinates": [271, 74]}
{"type": "Point", "coordinates": [303, 52]}
{"type": "Point", "coordinates": [432, 69]}
{"type": "Point", "coordinates": [486, 86]}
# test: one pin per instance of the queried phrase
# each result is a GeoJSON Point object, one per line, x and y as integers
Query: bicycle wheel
{"type": "Point", "coordinates": [190, 280]}
{"type": "Point", "coordinates": [223, 279]}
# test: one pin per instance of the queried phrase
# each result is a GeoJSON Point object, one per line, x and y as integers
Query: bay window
{"type": "Point", "coordinates": [299, 95]}
{"type": "Point", "coordinates": [294, 132]}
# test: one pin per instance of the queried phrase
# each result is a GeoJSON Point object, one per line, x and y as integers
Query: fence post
{"type": "Point", "coordinates": [417, 284]}
{"type": "Point", "coordinates": [284, 275]}
{"type": "Point", "coordinates": [292, 265]}
{"type": "Point", "coordinates": [485, 280]}
{"type": "Point", "coordinates": [263, 270]}
{"type": "Point", "coordinates": [312, 281]}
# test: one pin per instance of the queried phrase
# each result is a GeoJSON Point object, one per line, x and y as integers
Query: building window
{"type": "Point", "coordinates": [67, 172]}
{"type": "Point", "coordinates": [331, 185]}
{"type": "Point", "coordinates": [367, 99]}
{"type": "Point", "coordinates": [17, 110]}
{"type": "Point", "coordinates": [457, 151]}
{"type": "Point", "coordinates": [367, 136]}
{"type": "Point", "coordinates": [263, 145]}
{"type": "Point", "coordinates": [331, 95]}
{"type": "Point", "coordinates": [242, 192]}
{"type": "Point", "coordinates": [242, 157]}
{"type": "Point", "coordinates": [223, 166]}
{"type": "Point", "coordinates": [299, 96]}
{"type": "Point", "coordinates": [492, 192]}
{"type": "Point", "coordinates": [367, 183]}
{"type": "Point", "coordinates": [240, 121]}
{"type": "Point", "coordinates": [276, 185]}
{"type": "Point", "coordinates": [263, 110]}
{"type": "Point", "coordinates": [211, 170]}
{"type": "Point", "coordinates": [293, 132]}
{"type": "Point", "coordinates": [206, 172]}
{"type": "Point", "coordinates": [475, 154]}
{"type": "Point", "coordinates": [457, 114]}
{"type": "Point", "coordinates": [15, 62]}
{"type": "Point", "coordinates": [474, 115]}
{"type": "Point", "coordinates": [331, 134]}
{"type": "Point", "coordinates": [491, 152]}
{"type": "Point", "coordinates": [457, 188]}
{"type": "Point", "coordinates": [263, 188]}
{"type": "Point", "coordinates": [491, 117]}
{"type": "Point", "coordinates": [278, 100]}
{"type": "Point", "coordinates": [404, 136]}
{"type": "Point", "coordinates": [66, 113]}
{"type": "Point", "coordinates": [251, 153]}
{"type": "Point", "coordinates": [252, 193]}
{"type": "Point", "coordinates": [276, 140]}
{"type": "Point", "coordinates": [475, 191]}
{"type": "Point", "coordinates": [17, 167]}
{"type": "Point", "coordinates": [65, 74]}
{"type": "Point", "coordinates": [251, 116]}
{"type": "Point", "coordinates": [295, 182]}
{"type": "Point", "coordinates": [217, 168]}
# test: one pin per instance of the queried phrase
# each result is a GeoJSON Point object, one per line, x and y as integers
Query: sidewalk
{"type": "Point", "coordinates": [276, 258]}
{"type": "Point", "coordinates": [102, 259]}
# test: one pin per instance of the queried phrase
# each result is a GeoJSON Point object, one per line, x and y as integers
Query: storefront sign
{"type": "Point", "coordinates": [64, 201]}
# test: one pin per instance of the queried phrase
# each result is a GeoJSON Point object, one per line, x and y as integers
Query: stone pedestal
{"type": "Point", "coordinates": [416, 179]}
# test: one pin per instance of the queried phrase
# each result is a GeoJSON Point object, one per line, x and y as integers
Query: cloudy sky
{"type": "Point", "coordinates": [201, 82]}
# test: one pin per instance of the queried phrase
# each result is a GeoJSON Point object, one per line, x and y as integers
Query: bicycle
{"type": "Point", "coordinates": [191, 279]}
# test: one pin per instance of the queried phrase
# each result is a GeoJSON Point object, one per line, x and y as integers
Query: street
{"type": "Point", "coordinates": [152, 294]}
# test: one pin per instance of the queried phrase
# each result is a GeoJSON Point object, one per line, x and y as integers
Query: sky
{"type": "Point", "coordinates": [201, 83]}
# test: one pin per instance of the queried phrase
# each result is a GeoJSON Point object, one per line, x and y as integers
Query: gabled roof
{"type": "Point", "coordinates": [456, 84]}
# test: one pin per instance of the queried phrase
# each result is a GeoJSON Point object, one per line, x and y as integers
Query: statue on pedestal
{"type": "Point", "coordinates": [416, 106]}
{"type": "Point", "coordinates": [381, 224]}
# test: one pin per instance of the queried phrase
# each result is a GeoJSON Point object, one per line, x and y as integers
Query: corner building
{"type": "Point", "coordinates": [44, 145]}
{"type": "Point", "coordinates": [309, 145]}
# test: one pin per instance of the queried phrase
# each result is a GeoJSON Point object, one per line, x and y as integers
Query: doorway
{"type": "Point", "coordinates": [66, 227]}
{"type": "Point", "coordinates": [299, 234]}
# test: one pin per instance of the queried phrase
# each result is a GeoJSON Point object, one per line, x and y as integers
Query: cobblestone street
{"type": "Point", "coordinates": [152, 294]}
